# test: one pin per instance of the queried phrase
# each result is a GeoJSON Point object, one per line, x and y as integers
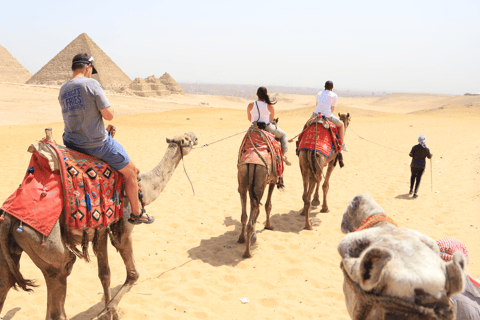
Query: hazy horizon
{"type": "Point", "coordinates": [415, 47]}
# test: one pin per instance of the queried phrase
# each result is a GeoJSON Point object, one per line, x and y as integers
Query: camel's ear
{"type": "Point", "coordinates": [169, 140]}
{"type": "Point", "coordinates": [348, 115]}
{"type": "Point", "coordinates": [455, 274]}
{"type": "Point", "coordinates": [339, 114]}
{"type": "Point", "coordinates": [371, 267]}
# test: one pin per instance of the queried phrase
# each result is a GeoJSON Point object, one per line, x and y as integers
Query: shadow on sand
{"type": "Point", "coordinates": [405, 196]}
{"type": "Point", "coordinates": [224, 250]}
{"type": "Point", "coordinates": [93, 311]}
{"type": "Point", "coordinates": [11, 313]}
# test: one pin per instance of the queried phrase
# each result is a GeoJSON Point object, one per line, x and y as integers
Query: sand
{"type": "Point", "coordinates": [190, 264]}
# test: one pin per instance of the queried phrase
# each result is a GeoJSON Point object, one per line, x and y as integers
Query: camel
{"type": "Point", "coordinates": [311, 180]}
{"type": "Point", "coordinates": [253, 178]}
{"type": "Point", "coordinates": [394, 273]}
{"type": "Point", "coordinates": [56, 260]}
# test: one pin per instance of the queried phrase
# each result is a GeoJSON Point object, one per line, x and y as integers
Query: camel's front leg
{"type": "Point", "coordinates": [268, 206]}
{"type": "Point", "coordinates": [125, 247]}
{"type": "Point", "coordinates": [101, 250]}
{"type": "Point", "coordinates": [326, 186]}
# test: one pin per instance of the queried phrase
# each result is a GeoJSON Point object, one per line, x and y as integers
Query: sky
{"type": "Point", "coordinates": [420, 46]}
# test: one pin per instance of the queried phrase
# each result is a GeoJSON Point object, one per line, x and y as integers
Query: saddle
{"type": "Point", "coordinates": [60, 180]}
{"type": "Point", "coordinates": [261, 147]}
{"type": "Point", "coordinates": [321, 135]}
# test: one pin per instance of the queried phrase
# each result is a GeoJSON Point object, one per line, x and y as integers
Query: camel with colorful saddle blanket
{"type": "Point", "coordinates": [68, 199]}
{"type": "Point", "coordinates": [259, 164]}
{"type": "Point", "coordinates": [318, 145]}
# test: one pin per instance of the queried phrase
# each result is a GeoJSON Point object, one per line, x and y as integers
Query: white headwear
{"type": "Point", "coordinates": [423, 141]}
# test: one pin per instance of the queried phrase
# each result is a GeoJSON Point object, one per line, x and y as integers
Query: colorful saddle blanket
{"type": "Point", "coordinates": [270, 150]}
{"type": "Point", "coordinates": [89, 190]}
{"type": "Point", "coordinates": [315, 132]}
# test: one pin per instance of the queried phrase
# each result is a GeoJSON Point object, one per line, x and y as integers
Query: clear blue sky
{"type": "Point", "coordinates": [396, 46]}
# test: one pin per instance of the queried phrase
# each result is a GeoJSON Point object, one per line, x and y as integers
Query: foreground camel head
{"type": "Point", "coordinates": [345, 118]}
{"type": "Point", "coordinates": [185, 141]}
{"type": "Point", "coordinates": [395, 273]}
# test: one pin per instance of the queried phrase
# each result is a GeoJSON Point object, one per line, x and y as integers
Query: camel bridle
{"type": "Point", "coordinates": [396, 308]}
{"type": "Point", "coordinates": [392, 307]}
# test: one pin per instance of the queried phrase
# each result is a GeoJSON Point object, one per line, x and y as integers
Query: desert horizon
{"type": "Point", "coordinates": [190, 264]}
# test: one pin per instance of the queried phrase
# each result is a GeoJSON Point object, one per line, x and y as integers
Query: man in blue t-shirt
{"type": "Point", "coordinates": [84, 106]}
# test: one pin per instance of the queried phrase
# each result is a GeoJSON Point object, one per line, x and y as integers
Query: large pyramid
{"type": "Point", "coordinates": [58, 70]}
{"type": "Point", "coordinates": [10, 69]}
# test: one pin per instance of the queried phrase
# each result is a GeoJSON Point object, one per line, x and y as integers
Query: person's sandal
{"type": "Point", "coordinates": [288, 163]}
{"type": "Point", "coordinates": [141, 218]}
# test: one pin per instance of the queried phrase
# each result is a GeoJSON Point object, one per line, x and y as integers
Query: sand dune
{"type": "Point", "coordinates": [190, 264]}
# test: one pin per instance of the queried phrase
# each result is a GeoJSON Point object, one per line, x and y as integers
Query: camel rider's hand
{"type": "Point", "coordinates": [111, 130]}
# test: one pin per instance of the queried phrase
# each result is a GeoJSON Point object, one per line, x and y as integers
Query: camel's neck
{"type": "Point", "coordinates": [154, 182]}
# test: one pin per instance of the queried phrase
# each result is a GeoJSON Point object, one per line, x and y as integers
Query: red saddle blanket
{"type": "Point", "coordinates": [271, 151]}
{"type": "Point", "coordinates": [91, 194]}
{"type": "Point", "coordinates": [325, 139]}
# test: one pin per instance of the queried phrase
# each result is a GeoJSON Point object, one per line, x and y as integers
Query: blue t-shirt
{"type": "Point", "coordinates": [81, 100]}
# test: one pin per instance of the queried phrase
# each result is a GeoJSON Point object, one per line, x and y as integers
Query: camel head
{"type": "Point", "coordinates": [185, 141]}
{"type": "Point", "coordinates": [358, 210]}
{"type": "Point", "coordinates": [398, 269]}
{"type": "Point", "coordinates": [345, 118]}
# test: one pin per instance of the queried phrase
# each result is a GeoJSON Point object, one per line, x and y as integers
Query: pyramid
{"type": "Point", "coordinates": [58, 70]}
{"type": "Point", "coordinates": [151, 86]}
{"type": "Point", "coordinates": [171, 84]}
{"type": "Point", "coordinates": [10, 69]}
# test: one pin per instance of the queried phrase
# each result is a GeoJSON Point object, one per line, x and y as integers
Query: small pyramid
{"type": "Point", "coordinates": [151, 86]}
{"type": "Point", "coordinates": [10, 69]}
{"type": "Point", "coordinates": [171, 84]}
{"type": "Point", "coordinates": [58, 70]}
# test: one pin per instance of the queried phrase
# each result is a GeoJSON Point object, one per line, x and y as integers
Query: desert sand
{"type": "Point", "coordinates": [190, 264]}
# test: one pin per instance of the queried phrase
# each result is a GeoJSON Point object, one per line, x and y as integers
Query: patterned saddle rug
{"type": "Point", "coordinates": [88, 189]}
{"type": "Point", "coordinates": [317, 136]}
{"type": "Point", "coordinates": [269, 150]}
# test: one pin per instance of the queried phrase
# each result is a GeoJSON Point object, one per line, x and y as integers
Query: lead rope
{"type": "Point", "coordinates": [207, 144]}
{"type": "Point", "coordinates": [183, 163]}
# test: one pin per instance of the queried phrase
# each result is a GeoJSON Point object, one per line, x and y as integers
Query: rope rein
{"type": "Point", "coordinates": [183, 163]}
{"type": "Point", "coordinates": [207, 144]}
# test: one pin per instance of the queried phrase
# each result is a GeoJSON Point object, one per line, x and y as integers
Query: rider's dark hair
{"type": "Point", "coordinates": [328, 85]}
{"type": "Point", "coordinates": [262, 94]}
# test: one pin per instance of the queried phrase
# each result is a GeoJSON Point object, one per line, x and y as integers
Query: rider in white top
{"type": "Point", "coordinates": [326, 99]}
{"type": "Point", "coordinates": [262, 111]}
{"type": "Point", "coordinates": [263, 116]}
{"type": "Point", "coordinates": [326, 102]}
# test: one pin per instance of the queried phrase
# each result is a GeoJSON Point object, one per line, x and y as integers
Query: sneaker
{"type": "Point", "coordinates": [415, 196]}
{"type": "Point", "coordinates": [288, 163]}
{"type": "Point", "coordinates": [411, 192]}
{"type": "Point", "coordinates": [344, 148]}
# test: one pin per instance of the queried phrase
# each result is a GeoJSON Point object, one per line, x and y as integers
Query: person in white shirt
{"type": "Point", "coordinates": [326, 102]}
{"type": "Point", "coordinates": [262, 112]}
